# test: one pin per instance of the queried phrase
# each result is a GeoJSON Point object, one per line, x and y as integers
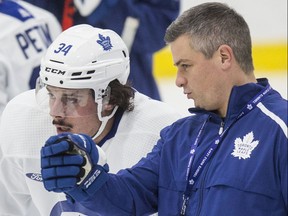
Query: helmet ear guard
{"type": "Point", "coordinates": [105, 97]}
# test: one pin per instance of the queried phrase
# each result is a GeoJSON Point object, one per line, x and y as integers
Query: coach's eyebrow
{"type": "Point", "coordinates": [180, 61]}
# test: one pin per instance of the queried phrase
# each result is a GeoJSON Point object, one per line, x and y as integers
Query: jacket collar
{"type": "Point", "coordinates": [240, 96]}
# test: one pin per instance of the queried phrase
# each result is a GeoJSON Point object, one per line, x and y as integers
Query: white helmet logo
{"type": "Point", "coordinates": [105, 42]}
{"type": "Point", "coordinates": [55, 71]}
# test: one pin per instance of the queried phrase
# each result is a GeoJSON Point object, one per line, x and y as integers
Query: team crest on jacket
{"type": "Point", "coordinates": [243, 148]}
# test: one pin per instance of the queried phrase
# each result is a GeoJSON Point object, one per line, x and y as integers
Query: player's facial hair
{"type": "Point", "coordinates": [61, 122]}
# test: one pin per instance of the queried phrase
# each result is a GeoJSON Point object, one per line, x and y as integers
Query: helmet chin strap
{"type": "Point", "coordinates": [103, 120]}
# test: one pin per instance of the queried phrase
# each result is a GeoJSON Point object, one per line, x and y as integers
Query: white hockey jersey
{"type": "Point", "coordinates": [25, 128]}
{"type": "Point", "coordinates": [26, 32]}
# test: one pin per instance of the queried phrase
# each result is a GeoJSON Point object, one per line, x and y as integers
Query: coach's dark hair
{"type": "Point", "coordinates": [211, 25]}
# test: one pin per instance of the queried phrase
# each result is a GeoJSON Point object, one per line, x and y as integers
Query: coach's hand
{"type": "Point", "coordinates": [74, 164]}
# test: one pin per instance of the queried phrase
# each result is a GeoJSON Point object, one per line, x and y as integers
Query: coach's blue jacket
{"type": "Point", "coordinates": [246, 176]}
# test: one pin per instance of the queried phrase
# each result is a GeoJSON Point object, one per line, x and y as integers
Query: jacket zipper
{"type": "Point", "coordinates": [221, 129]}
{"type": "Point", "coordinates": [202, 189]}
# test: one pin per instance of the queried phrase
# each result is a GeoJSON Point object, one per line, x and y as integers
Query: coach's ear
{"type": "Point", "coordinates": [226, 56]}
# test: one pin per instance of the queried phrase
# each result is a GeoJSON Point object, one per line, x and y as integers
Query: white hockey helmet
{"type": "Point", "coordinates": [84, 57]}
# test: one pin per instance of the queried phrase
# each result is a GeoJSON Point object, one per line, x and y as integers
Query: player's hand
{"type": "Point", "coordinates": [74, 164]}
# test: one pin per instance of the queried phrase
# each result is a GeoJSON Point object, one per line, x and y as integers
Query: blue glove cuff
{"type": "Point", "coordinates": [89, 186]}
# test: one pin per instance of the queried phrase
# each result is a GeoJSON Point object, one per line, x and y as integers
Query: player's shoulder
{"type": "Point", "coordinates": [149, 116]}
{"type": "Point", "coordinates": [24, 99]}
{"type": "Point", "coordinates": [150, 110]}
{"type": "Point", "coordinates": [145, 103]}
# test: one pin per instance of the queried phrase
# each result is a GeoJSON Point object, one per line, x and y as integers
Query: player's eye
{"type": "Point", "coordinates": [51, 96]}
{"type": "Point", "coordinates": [69, 100]}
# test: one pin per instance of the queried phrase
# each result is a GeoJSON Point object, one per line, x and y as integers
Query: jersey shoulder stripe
{"type": "Point", "coordinates": [274, 117]}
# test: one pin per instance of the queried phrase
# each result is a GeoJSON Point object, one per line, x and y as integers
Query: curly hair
{"type": "Point", "coordinates": [122, 95]}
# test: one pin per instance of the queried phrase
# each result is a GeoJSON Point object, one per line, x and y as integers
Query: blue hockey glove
{"type": "Point", "coordinates": [73, 164]}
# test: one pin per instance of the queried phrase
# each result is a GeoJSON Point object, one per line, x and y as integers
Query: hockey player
{"type": "Point", "coordinates": [140, 23]}
{"type": "Point", "coordinates": [26, 32]}
{"type": "Point", "coordinates": [84, 75]}
{"type": "Point", "coordinates": [230, 158]}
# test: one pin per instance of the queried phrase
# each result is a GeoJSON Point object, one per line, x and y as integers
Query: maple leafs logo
{"type": "Point", "coordinates": [105, 42]}
{"type": "Point", "coordinates": [243, 148]}
{"type": "Point", "coordinates": [249, 106]}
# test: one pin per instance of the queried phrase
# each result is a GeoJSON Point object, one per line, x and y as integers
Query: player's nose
{"type": "Point", "coordinates": [57, 109]}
